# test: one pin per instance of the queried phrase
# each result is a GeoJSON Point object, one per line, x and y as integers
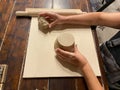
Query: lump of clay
{"type": "Point", "coordinates": [42, 23]}
{"type": "Point", "coordinates": [66, 42]}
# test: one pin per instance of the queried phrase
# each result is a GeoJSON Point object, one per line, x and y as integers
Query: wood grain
{"type": "Point", "coordinates": [13, 47]}
{"type": "Point", "coordinates": [62, 84]}
{"type": "Point", "coordinates": [33, 84]}
{"type": "Point", "coordinates": [12, 52]}
{"type": "Point", "coordinates": [5, 13]}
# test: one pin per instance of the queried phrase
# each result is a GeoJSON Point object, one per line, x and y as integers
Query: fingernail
{"type": "Point", "coordinates": [49, 26]}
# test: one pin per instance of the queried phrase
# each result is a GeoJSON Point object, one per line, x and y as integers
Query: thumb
{"type": "Point", "coordinates": [76, 48]}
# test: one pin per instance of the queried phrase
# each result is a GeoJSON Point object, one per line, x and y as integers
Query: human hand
{"type": "Point", "coordinates": [75, 58]}
{"type": "Point", "coordinates": [53, 18]}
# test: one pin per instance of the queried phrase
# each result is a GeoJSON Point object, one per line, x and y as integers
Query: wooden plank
{"type": "Point", "coordinates": [5, 13]}
{"type": "Point", "coordinates": [62, 84]}
{"type": "Point", "coordinates": [12, 52]}
{"type": "Point", "coordinates": [36, 84]}
{"type": "Point", "coordinates": [80, 84]}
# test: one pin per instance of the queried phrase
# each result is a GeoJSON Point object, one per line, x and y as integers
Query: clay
{"type": "Point", "coordinates": [66, 42]}
{"type": "Point", "coordinates": [42, 23]}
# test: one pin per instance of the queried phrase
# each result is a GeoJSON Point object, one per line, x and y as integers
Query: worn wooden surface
{"type": "Point", "coordinates": [13, 43]}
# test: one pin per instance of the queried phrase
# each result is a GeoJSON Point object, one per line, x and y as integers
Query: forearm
{"type": "Point", "coordinates": [83, 19]}
{"type": "Point", "coordinates": [95, 18]}
{"type": "Point", "coordinates": [91, 79]}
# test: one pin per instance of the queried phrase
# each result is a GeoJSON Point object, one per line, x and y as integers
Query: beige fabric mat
{"type": "Point", "coordinates": [40, 57]}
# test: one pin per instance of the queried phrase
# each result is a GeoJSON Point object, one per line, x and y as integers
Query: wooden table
{"type": "Point", "coordinates": [13, 43]}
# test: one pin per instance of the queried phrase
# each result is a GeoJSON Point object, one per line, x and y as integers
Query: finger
{"type": "Point", "coordinates": [76, 48]}
{"type": "Point", "coordinates": [59, 54]}
{"type": "Point", "coordinates": [43, 14]}
{"type": "Point", "coordinates": [52, 24]}
{"type": "Point", "coordinates": [60, 57]}
{"type": "Point", "coordinates": [65, 59]}
{"type": "Point", "coordinates": [64, 53]}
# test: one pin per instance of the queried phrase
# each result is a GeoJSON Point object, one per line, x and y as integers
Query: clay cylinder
{"type": "Point", "coordinates": [66, 42]}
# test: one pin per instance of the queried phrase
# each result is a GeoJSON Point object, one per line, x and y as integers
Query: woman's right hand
{"type": "Point", "coordinates": [75, 58]}
{"type": "Point", "coordinates": [53, 18]}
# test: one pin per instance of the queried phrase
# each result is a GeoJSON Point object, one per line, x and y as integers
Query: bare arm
{"type": "Point", "coordinates": [95, 18]}
{"type": "Point", "coordinates": [77, 59]}
{"type": "Point", "coordinates": [91, 79]}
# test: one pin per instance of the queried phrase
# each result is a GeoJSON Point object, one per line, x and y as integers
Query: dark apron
{"type": "Point", "coordinates": [110, 51]}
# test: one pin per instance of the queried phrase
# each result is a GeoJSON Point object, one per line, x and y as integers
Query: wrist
{"type": "Point", "coordinates": [83, 65]}
{"type": "Point", "coordinates": [85, 68]}
{"type": "Point", "coordinates": [82, 61]}
{"type": "Point", "coordinates": [65, 19]}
